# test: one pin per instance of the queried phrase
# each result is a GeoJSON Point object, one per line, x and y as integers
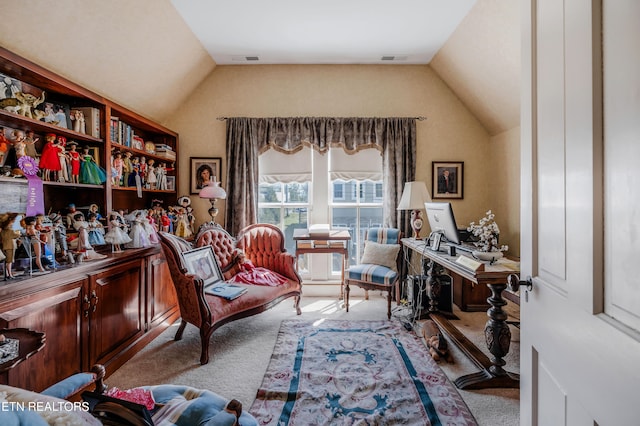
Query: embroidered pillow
{"type": "Point", "coordinates": [381, 254]}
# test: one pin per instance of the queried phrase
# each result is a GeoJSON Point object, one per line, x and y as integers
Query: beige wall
{"type": "Point", "coordinates": [450, 132]}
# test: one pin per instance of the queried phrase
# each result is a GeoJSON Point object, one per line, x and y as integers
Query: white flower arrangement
{"type": "Point", "coordinates": [487, 232]}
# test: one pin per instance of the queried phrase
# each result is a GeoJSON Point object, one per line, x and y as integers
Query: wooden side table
{"type": "Point", "coordinates": [30, 342]}
{"type": "Point", "coordinates": [337, 241]}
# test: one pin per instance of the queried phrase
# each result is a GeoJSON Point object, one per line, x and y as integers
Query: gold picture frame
{"type": "Point", "coordinates": [200, 166]}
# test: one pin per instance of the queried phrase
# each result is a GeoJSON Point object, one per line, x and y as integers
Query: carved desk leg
{"type": "Point", "coordinates": [498, 338]}
{"type": "Point", "coordinates": [434, 270]}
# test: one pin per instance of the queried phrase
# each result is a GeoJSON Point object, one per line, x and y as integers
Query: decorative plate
{"type": "Point", "coordinates": [150, 147]}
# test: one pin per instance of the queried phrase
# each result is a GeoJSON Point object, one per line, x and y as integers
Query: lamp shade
{"type": "Point", "coordinates": [213, 190]}
{"type": "Point", "coordinates": [414, 196]}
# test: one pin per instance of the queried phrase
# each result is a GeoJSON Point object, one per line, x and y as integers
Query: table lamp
{"type": "Point", "coordinates": [414, 196]}
{"type": "Point", "coordinates": [213, 191]}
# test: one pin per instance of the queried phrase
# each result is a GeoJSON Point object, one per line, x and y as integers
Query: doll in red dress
{"type": "Point", "coordinates": [49, 161]}
{"type": "Point", "coordinates": [74, 161]}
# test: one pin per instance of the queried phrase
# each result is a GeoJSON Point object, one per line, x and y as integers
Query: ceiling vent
{"type": "Point", "coordinates": [238, 58]}
{"type": "Point", "coordinates": [393, 58]}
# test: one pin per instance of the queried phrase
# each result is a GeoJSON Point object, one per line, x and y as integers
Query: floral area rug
{"type": "Point", "coordinates": [337, 372]}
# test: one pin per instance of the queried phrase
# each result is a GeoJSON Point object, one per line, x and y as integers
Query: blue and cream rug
{"type": "Point", "coordinates": [355, 373]}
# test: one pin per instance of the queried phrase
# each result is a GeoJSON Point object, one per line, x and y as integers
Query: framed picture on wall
{"type": "Point", "coordinates": [204, 169]}
{"type": "Point", "coordinates": [448, 179]}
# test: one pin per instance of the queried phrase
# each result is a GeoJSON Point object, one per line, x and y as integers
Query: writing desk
{"type": "Point", "coordinates": [336, 241]}
{"type": "Point", "coordinates": [497, 333]}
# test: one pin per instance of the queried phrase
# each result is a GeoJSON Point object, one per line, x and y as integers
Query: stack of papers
{"type": "Point", "coordinates": [225, 290]}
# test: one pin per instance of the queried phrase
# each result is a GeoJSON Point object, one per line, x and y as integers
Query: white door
{"type": "Point", "coordinates": [580, 339]}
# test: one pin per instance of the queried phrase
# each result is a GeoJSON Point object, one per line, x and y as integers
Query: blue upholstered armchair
{"type": "Point", "coordinates": [378, 268]}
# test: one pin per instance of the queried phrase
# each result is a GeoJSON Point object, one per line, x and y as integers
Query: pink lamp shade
{"type": "Point", "coordinates": [212, 192]}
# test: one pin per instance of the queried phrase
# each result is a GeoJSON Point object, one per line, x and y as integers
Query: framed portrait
{"type": "Point", "coordinates": [171, 183]}
{"type": "Point", "coordinates": [448, 179]}
{"type": "Point", "coordinates": [203, 170]}
{"type": "Point", "coordinates": [202, 263]}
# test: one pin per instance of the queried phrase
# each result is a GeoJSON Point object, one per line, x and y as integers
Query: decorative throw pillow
{"type": "Point", "coordinates": [380, 254]}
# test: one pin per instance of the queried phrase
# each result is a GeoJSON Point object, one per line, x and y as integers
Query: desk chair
{"type": "Point", "coordinates": [378, 269]}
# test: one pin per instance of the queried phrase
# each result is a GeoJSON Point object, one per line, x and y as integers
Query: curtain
{"type": "Point", "coordinates": [247, 137]}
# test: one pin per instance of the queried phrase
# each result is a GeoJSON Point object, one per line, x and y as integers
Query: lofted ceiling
{"type": "Point", "coordinates": [322, 31]}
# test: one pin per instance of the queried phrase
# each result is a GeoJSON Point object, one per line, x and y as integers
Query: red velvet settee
{"type": "Point", "coordinates": [262, 244]}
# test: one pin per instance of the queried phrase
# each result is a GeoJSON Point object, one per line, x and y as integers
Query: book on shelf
{"type": "Point", "coordinates": [226, 290]}
{"type": "Point", "coordinates": [114, 128]}
{"type": "Point", "coordinates": [91, 120]}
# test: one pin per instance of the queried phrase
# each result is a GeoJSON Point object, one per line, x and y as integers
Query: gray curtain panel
{"type": "Point", "coordinates": [248, 137]}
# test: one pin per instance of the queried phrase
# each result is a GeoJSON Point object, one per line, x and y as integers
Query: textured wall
{"type": "Point", "coordinates": [139, 54]}
{"type": "Point", "coordinates": [450, 133]}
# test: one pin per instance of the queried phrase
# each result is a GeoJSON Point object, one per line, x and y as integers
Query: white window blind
{"type": "Point", "coordinates": [283, 167]}
{"type": "Point", "coordinates": [363, 165]}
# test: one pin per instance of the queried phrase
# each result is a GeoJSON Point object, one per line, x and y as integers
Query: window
{"type": "Point", "coordinates": [309, 187]}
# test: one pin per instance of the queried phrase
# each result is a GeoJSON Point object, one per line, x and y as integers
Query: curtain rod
{"type": "Point", "coordinates": [419, 118]}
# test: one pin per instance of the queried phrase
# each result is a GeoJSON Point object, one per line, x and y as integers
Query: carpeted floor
{"type": "Point", "coordinates": [240, 353]}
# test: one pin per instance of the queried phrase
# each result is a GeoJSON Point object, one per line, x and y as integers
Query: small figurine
{"type": "Point", "coordinates": [117, 234]}
{"type": "Point", "coordinates": [9, 242]}
{"type": "Point", "coordinates": [182, 225]}
{"type": "Point", "coordinates": [4, 145]}
{"type": "Point", "coordinates": [151, 174]}
{"type": "Point", "coordinates": [82, 226]}
{"type": "Point", "coordinates": [149, 226]}
{"type": "Point", "coordinates": [60, 234]}
{"type": "Point", "coordinates": [161, 176]}
{"type": "Point", "coordinates": [118, 166]}
{"type": "Point", "coordinates": [96, 230]}
{"type": "Point", "coordinates": [74, 161]}
{"type": "Point", "coordinates": [30, 144]}
{"type": "Point", "coordinates": [90, 172]}
{"type": "Point", "coordinates": [77, 116]}
{"type": "Point", "coordinates": [61, 143]}
{"type": "Point", "coordinates": [19, 144]}
{"type": "Point", "coordinates": [127, 168]}
{"type": "Point", "coordinates": [71, 212]}
{"type": "Point", "coordinates": [49, 159]}
{"type": "Point", "coordinates": [138, 234]}
{"type": "Point", "coordinates": [93, 208]}
{"type": "Point", "coordinates": [35, 239]}
{"type": "Point", "coordinates": [142, 170]}
{"type": "Point", "coordinates": [134, 176]}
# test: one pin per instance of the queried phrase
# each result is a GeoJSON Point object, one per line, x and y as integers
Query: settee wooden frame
{"type": "Point", "coordinates": [208, 312]}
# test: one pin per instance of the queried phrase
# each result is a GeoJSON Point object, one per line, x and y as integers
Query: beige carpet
{"type": "Point", "coordinates": [240, 352]}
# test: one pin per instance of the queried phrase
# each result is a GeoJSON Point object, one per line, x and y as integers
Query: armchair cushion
{"type": "Point", "coordinates": [372, 273]}
{"type": "Point", "coordinates": [41, 409]}
{"type": "Point", "coordinates": [381, 254]}
{"type": "Point", "coordinates": [70, 385]}
{"type": "Point", "coordinates": [187, 406]}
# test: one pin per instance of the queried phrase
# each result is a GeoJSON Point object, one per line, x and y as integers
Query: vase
{"type": "Point", "coordinates": [491, 256]}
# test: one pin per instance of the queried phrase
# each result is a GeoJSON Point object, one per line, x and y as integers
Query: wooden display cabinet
{"type": "Point", "coordinates": [101, 311]}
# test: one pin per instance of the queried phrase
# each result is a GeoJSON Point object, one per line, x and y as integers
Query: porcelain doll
{"type": "Point", "coordinates": [9, 242]}
{"type": "Point", "coordinates": [93, 208]}
{"type": "Point", "coordinates": [49, 163]}
{"type": "Point", "coordinates": [82, 226]}
{"type": "Point", "coordinates": [30, 144]}
{"type": "Point", "coordinates": [90, 172]}
{"type": "Point", "coordinates": [142, 170]}
{"type": "Point", "coordinates": [134, 175]}
{"type": "Point", "coordinates": [118, 165]}
{"type": "Point", "coordinates": [151, 174]}
{"type": "Point", "coordinates": [74, 161]}
{"type": "Point", "coordinates": [19, 144]}
{"type": "Point", "coordinates": [60, 235]}
{"type": "Point", "coordinates": [35, 239]}
{"type": "Point", "coordinates": [183, 229]}
{"type": "Point", "coordinates": [127, 168]}
{"type": "Point", "coordinates": [61, 146]}
{"type": "Point", "coordinates": [161, 176]}
{"type": "Point", "coordinates": [96, 231]}
{"type": "Point", "coordinates": [147, 222]}
{"type": "Point", "coordinates": [138, 234]}
{"type": "Point", "coordinates": [117, 235]}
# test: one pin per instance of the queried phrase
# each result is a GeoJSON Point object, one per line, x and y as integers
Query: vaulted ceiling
{"type": "Point", "coordinates": [144, 55]}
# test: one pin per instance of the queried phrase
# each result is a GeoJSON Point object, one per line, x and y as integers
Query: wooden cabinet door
{"type": "Point", "coordinates": [58, 313]}
{"type": "Point", "coordinates": [116, 315]}
{"type": "Point", "coordinates": [161, 294]}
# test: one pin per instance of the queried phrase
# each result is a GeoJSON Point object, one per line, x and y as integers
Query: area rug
{"type": "Point", "coordinates": [355, 373]}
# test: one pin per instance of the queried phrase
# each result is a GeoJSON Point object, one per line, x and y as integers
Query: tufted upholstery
{"type": "Point", "coordinates": [263, 245]}
{"type": "Point", "coordinates": [375, 277]}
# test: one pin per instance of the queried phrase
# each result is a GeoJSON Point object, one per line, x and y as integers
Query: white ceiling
{"type": "Point", "coordinates": [322, 31]}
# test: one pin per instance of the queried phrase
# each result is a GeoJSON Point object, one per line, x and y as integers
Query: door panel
{"type": "Point", "coordinates": [578, 364]}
